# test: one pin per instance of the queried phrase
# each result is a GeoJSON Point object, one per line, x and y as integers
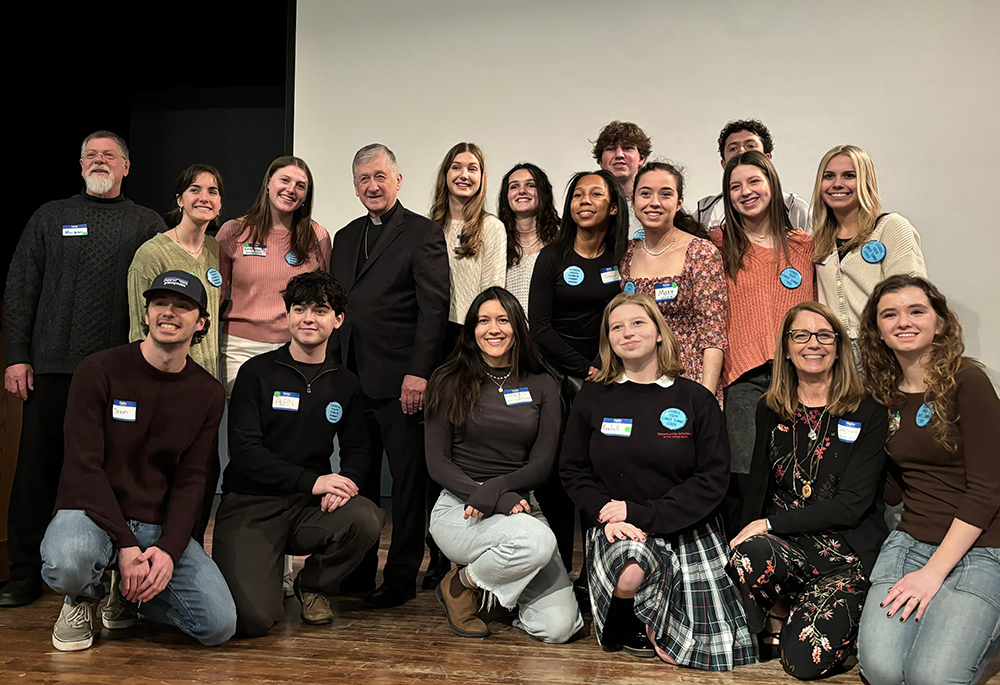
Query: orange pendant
{"type": "Point", "coordinates": [807, 490]}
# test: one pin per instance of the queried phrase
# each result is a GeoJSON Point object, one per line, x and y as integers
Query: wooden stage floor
{"type": "Point", "coordinates": [408, 644]}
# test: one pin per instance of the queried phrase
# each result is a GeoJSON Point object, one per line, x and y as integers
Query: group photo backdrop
{"type": "Point", "coordinates": [915, 83]}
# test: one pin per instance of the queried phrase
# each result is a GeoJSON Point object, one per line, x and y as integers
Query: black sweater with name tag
{"type": "Point", "coordinates": [671, 470]}
{"type": "Point", "coordinates": [280, 444]}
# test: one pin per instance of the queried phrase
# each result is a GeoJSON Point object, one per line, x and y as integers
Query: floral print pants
{"type": "Point", "coordinates": [824, 588]}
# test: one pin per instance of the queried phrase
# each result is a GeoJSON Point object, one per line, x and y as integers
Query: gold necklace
{"type": "Point", "coordinates": [657, 254]}
{"type": "Point", "coordinates": [182, 246]}
{"type": "Point", "coordinates": [499, 380]}
{"type": "Point", "coordinates": [813, 436]}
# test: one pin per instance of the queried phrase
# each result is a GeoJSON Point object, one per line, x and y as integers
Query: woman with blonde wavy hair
{"type": "Point", "coordinates": [941, 566]}
{"type": "Point", "coordinates": [812, 518]}
{"type": "Point", "coordinates": [477, 241]}
{"type": "Point", "coordinates": [645, 454]}
{"type": "Point", "coordinates": [856, 245]}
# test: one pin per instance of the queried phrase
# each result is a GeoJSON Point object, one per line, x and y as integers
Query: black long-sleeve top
{"type": "Point", "coordinates": [845, 489]}
{"type": "Point", "coordinates": [504, 451]}
{"type": "Point", "coordinates": [566, 318]}
{"type": "Point", "coordinates": [671, 471]}
{"type": "Point", "coordinates": [275, 450]}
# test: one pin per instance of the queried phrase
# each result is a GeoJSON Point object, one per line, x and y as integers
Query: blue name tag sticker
{"type": "Point", "coordinates": [292, 259]}
{"type": "Point", "coordinates": [640, 234]}
{"type": "Point", "coordinates": [873, 252]}
{"type": "Point", "coordinates": [214, 277]}
{"type": "Point", "coordinates": [617, 428]}
{"type": "Point", "coordinates": [573, 275]}
{"type": "Point", "coordinates": [666, 292]}
{"type": "Point", "coordinates": [609, 274]}
{"type": "Point", "coordinates": [252, 250]}
{"type": "Point", "coordinates": [74, 229]}
{"type": "Point", "coordinates": [285, 401]}
{"type": "Point", "coordinates": [924, 415]}
{"type": "Point", "coordinates": [848, 431]}
{"type": "Point", "coordinates": [673, 419]}
{"type": "Point", "coordinates": [515, 396]}
{"type": "Point", "coordinates": [334, 412]}
{"type": "Point", "coordinates": [123, 410]}
{"type": "Point", "coordinates": [791, 278]}
{"type": "Point", "coordinates": [630, 288]}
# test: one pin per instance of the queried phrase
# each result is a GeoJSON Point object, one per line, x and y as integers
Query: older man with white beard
{"type": "Point", "coordinates": [65, 299]}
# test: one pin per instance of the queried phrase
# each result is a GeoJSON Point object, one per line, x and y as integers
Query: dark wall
{"type": "Point", "coordinates": [203, 83]}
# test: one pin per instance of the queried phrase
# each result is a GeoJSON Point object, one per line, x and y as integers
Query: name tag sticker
{"type": "Point", "coordinates": [74, 229]}
{"type": "Point", "coordinates": [609, 274]}
{"type": "Point", "coordinates": [848, 431]}
{"type": "Point", "coordinates": [458, 242]}
{"type": "Point", "coordinates": [285, 401]}
{"type": "Point", "coordinates": [618, 428]}
{"type": "Point", "coordinates": [250, 250]}
{"type": "Point", "coordinates": [123, 410]}
{"type": "Point", "coordinates": [517, 396]}
{"type": "Point", "coordinates": [666, 292]}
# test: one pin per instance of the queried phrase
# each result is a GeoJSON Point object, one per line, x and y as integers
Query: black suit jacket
{"type": "Point", "coordinates": [398, 305]}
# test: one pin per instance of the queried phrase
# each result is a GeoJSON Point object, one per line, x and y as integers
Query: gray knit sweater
{"type": "Point", "coordinates": [66, 294]}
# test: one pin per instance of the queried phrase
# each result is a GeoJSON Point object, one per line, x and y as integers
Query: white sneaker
{"type": "Point", "coordinates": [74, 629]}
{"type": "Point", "coordinates": [115, 615]}
{"type": "Point", "coordinates": [288, 579]}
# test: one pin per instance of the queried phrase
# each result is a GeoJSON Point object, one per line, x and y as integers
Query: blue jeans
{"type": "Point", "coordinates": [959, 633]}
{"type": "Point", "coordinates": [75, 552]}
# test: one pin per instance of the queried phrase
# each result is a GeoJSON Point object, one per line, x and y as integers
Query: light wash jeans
{"type": "Point", "coordinates": [75, 552]}
{"type": "Point", "coordinates": [959, 633]}
{"type": "Point", "coordinates": [515, 558]}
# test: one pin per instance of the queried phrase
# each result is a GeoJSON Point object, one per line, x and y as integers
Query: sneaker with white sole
{"type": "Point", "coordinates": [74, 629]}
{"type": "Point", "coordinates": [116, 615]}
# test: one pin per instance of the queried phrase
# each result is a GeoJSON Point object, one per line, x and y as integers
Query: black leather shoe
{"type": "Point", "coordinates": [437, 568]}
{"type": "Point", "coordinates": [19, 592]}
{"type": "Point", "coordinates": [582, 591]}
{"type": "Point", "coordinates": [388, 596]}
{"type": "Point", "coordinates": [637, 644]}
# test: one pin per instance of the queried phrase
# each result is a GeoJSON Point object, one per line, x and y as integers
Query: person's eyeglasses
{"type": "Point", "coordinates": [91, 155]}
{"type": "Point", "coordinates": [822, 337]}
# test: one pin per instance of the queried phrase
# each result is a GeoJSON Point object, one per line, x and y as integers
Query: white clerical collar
{"type": "Point", "coordinates": [662, 381]}
{"type": "Point", "coordinates": [375, 220]}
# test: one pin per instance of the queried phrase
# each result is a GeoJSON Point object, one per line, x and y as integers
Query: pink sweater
{"type": "Point", "coordinates": [258, 274]}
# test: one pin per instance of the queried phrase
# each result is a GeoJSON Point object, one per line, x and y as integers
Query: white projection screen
{"type": "Point", "coordinates": [914, 82]}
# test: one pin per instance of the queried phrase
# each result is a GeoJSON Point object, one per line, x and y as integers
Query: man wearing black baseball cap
{"type": "Point", "coordinates": [141, 426]}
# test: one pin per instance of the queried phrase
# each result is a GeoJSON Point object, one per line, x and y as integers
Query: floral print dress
{"type": "Point", "coordinates": [817, 574]}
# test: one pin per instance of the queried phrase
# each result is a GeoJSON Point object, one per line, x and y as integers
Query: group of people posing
{"type": "Point", "coordinates": [738, 403]}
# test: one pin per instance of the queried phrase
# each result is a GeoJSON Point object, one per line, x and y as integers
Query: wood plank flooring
{"type": "Point", "coordinates": [408, 644]}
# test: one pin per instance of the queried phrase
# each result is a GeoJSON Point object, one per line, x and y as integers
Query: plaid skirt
{"type": "Point", "coordinates": [686, 596]}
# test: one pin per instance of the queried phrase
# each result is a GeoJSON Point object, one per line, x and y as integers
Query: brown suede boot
{"type": "Point", "coordinates": [460, 607]}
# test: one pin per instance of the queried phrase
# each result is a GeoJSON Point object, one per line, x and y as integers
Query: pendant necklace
{"type": "Point", "coordinates": [815, 431]}
{"type": "Point", "coordinates": [499, 380]}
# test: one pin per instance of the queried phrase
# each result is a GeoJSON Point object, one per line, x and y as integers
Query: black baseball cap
{"type": "Point", "coordinates": [181, 282]}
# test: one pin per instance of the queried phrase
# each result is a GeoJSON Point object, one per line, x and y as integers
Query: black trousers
{"type": "Point", "coordinates": [36, 477]}
{"type": "Point", "coordinates": [401, 436]}
{"type": "Point", "coordinates": [253, 534]}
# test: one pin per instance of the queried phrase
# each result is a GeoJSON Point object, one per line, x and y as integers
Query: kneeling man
{"type": "Point", "coordinates": [141, 426]}
{"type": "Point", "coordinates": [279, 494]}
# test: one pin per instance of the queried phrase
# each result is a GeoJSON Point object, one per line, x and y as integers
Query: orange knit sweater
{"type": "Point", "coordinates": [758, 301]}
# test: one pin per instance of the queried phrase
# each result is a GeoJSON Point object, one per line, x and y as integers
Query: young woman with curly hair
{"type": "Point", "coordinates": [933, 610]}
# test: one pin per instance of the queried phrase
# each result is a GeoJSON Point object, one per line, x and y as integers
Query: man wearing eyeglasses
{"type": "Point", "coordinates": [65, 299]}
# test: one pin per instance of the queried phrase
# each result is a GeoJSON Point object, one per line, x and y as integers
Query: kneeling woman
{"type": "Point", "coordinates": [812, 521]}
{"type": "Point", "coordinates": [645, 454]}
{"type": "Point", "coordinates": [933, 611]}
{"type": "Point", "coordinates": [491, 437]}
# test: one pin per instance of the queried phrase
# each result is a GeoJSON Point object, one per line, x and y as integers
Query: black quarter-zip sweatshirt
{"type": "Point", "coordinates": [282, 426]}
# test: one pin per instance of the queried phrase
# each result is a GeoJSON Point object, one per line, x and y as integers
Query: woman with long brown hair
{"type": "Point", "coordinates": [933, 613]}
{"type": "Point", "coordinates": [259, 253]}
{"type": "Point", "coordinates": [477, 241]}
{"type": "Point", "coordinates": [769, 269]}
{"type": "Point", "coordinates": [812, 519]}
